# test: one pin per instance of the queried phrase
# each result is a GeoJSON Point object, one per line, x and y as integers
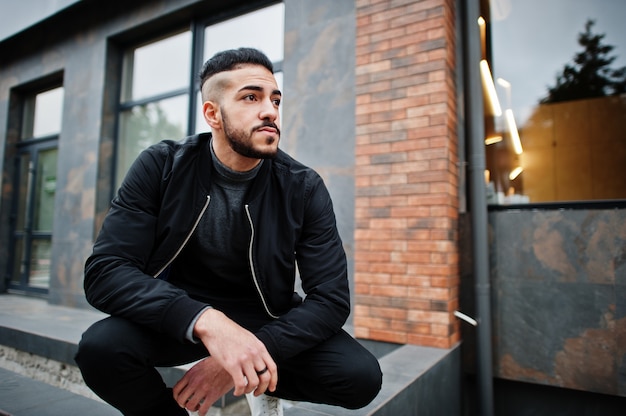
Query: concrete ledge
{"type": "Point", "coordinates": [33, 325]}
{"type": "Point", "coordinates": [416, 380]}
{"type": "Point", "coordinates": [50, 332]}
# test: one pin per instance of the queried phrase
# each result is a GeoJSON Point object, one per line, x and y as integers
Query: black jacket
{"type": "Point", "coordinates": [158, 205]}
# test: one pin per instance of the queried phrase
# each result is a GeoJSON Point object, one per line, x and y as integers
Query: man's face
{"type": "Point", "coordinates": [249, 112]}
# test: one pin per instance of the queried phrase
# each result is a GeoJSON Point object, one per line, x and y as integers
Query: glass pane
{"type": "Point", "coordinates": [25, 178]}
{"type": "Point", "coordinates": [201, 125]}
{"type": "Point", "coordinates": [47, 117]}
{"type": "Point", "coordinates": [40, 258]}
{"type": "Point", "coordinates": [244, 31]}
{"type": "Point", "coordinates": [562, 123]}
{"type": "Point", "coordinates": [145, 125]}
{"type": "Point", "coordinates": [45, 190]}
{"type": "Point", "coordinates": [157, 68]}
{"type": "Point", "coordinates": [18, 262]}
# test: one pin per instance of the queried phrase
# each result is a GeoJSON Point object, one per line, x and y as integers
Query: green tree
{"type": "Point", "coordinates": [142, 126]}
{"type": "Point", "coordinates": [149, 124]}
{"type": "Point", "coordinates": [590, 74]}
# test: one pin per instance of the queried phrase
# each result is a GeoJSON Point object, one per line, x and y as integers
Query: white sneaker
{"type": "Point", "coordinates": [264, 405]}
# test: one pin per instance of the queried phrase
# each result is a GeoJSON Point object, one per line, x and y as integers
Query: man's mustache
{"type": "Point", "coordinates": [267, 124]}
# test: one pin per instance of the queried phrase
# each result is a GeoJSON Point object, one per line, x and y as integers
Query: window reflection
{"type": "Point", "coordinates": [146, 124]}
{"type": "Point", "coordinates": [554, 141]}
{"type": "Point", "coordinates": [245, 31]}
{"type": "Point", "coordinates": [43, 114]}
{"type": "Point", "coordinates": [45, 189]}
{"type": "Point", "coordinates": [40, 261]}
{"type": "Point", "coordinates": [157, 68]}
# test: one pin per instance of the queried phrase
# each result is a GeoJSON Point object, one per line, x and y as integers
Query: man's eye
{"type": "Point", "coordinates": [276, 102]}
{"type": "Point", "coordinates": [249, 97]}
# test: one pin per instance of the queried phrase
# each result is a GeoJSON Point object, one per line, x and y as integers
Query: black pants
{"type": "Point", "coordinates": [118, 358]}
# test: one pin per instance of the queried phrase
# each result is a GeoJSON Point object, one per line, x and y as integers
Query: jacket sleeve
{"type": "Point", "coordinates": [322, 266]}
{"type": "Point", "coordinates": [116, 281]}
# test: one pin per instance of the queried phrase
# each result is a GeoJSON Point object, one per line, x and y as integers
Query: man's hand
{"type": "Point", "coordinates": [202, 386]}
{"type": "Point", "coordinates": [238, 351]}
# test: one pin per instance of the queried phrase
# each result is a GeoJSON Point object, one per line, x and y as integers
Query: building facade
{"type": "Point", "coordinates": [387, 100]}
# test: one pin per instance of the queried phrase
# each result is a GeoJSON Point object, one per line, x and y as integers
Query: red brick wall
{"type": "Point", "coordinates": [406, 260]}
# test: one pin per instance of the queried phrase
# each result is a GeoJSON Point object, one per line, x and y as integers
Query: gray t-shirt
{"type": "Point", "coordinates": [214, 267]}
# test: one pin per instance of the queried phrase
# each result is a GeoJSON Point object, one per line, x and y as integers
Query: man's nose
{"type": "Point", "coordinates": [269, 111]}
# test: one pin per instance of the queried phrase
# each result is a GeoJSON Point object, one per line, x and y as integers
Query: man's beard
{"type": "Point", "coordinates": [241, 142]}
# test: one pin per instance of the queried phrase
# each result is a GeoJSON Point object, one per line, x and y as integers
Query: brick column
{"type": "Point", "coordinates": [406, 253]}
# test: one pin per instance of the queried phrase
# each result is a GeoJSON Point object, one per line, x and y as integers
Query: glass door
{"type": "Point", "coordinates": [33, 211]}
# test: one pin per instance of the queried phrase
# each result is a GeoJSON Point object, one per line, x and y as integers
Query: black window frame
{"type": "Point", "coordinates": [21, 97]}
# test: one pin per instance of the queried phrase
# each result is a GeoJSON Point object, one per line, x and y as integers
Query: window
{"type": "Point", "coordinates": [554, 75]}
{"type": "Point", "coordinates": [158, 81]}
{"type": "Point", "coordinates": [155, 96]}
{"type": "Point", "coordinates": [35, 188]}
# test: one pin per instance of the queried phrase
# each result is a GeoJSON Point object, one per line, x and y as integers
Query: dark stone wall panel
{"type": "Point", "coordinates": [559, 301]}
{"type": "Point", "coordinates": [561, 246]}
{"type": "Point", "coordinates": [319, 100]}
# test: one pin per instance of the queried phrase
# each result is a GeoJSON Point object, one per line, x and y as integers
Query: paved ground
{"type": "Point", "coordinates": [23, 396]}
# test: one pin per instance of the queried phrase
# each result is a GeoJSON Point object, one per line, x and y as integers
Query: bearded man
{"type": "Point", "coordinates": [196, 262]}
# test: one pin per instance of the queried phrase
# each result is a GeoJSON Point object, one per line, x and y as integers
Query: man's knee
{"type": "Point", "coordinates": [94, 352]}
{"type": "Point", "coordinates": [105, 349]}
{"type": "Point", "coordinates": [365, 379]}
{"type": "Point", "coordinates": [112, 359]}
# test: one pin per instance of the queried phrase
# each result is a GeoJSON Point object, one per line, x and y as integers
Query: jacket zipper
{"type": "Point", "coordinates": [254, 276]}
{"type": "Point", "coordinates": [195, 225]}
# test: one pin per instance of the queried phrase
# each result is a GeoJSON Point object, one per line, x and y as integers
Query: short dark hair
{"type": "Point", "coordinates": [232, 58]}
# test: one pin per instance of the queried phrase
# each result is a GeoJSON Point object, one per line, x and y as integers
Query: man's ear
{"type": "Point", "coordinates": [212, 114]}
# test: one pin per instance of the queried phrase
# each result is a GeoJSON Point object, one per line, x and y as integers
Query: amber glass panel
{"type": "Point", "coordinates": [558, 70]}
